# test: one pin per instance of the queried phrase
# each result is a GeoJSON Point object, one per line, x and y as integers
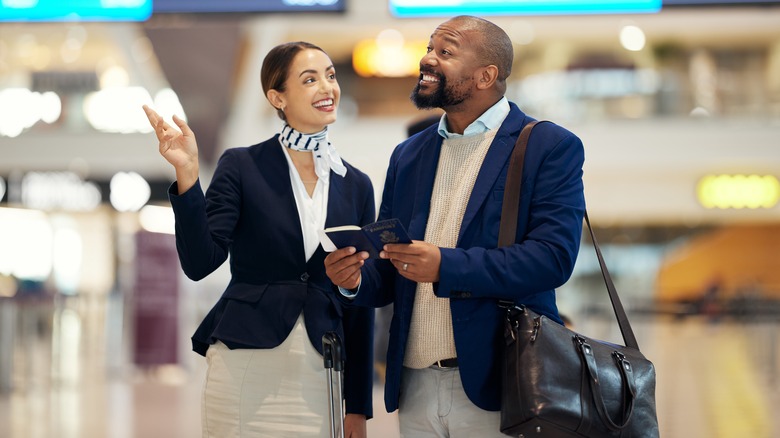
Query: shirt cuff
{"type": "Point", "coordinates": [350, 293]}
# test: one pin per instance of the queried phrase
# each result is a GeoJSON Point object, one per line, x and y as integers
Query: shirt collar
{"type": "Point", "coordinates": [490, 119]}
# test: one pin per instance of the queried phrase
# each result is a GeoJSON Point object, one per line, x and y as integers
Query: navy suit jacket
{"type": "Point", "coordinates": [476, 275]}
{"type": "Point", "coordinates": [249, 212]}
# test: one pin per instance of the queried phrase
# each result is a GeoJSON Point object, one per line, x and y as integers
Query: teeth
{"type": "Point", "coordinates": [326, 102]}
{"type": "Point", "coordinates": [430, 78]}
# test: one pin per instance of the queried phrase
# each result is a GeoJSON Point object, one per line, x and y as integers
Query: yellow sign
{"type": "Point", "coordinates": [738, 191]}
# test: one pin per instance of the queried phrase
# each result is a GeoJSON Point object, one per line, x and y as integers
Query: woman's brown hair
{"type": "Point", "coordinates": [276, 67]}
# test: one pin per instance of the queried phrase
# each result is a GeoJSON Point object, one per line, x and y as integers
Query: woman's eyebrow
{"type": "Point", "coordinates": [312, 71]}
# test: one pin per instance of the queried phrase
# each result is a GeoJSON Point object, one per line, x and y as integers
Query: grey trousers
{"type": "Point", "coordinates": [433, 404]}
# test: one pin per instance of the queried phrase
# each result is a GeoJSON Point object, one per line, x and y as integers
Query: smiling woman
{"type": "Point", "coordinates": [264, 208]}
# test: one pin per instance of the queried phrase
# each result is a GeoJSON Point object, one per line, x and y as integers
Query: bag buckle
{"type": "Point", "coordinates": [621, 360]}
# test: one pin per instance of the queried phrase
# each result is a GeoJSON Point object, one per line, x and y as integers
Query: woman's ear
{"type": "Point", "coordinates": [276, 99]}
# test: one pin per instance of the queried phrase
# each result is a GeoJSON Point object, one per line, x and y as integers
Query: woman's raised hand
{"type": "Point", "coordinates": [177, 146]}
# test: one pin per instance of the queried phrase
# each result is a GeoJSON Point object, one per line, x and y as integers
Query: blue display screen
{"type": "Point", "coordinates": [718, 2]}
{"type": "Point", "coordinates": [75, 10]}
{"type": "Point", "coordinates": [220, 6]}
{"type": "Point", "coordinates": [430, 8]}
{"type": "Point", "coordinates": [140, 10]}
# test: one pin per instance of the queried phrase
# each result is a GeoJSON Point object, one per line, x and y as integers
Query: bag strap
{"type": "Point", "coordinates": [617, 306]}
{"type": "Point", "coordinates": [511, 203]}
{"type": "Point", "coordinates": [508, 228]}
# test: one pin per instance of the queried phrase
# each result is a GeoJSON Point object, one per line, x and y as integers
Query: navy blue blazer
{"type": "Point", "coordinates": [249, 212]}
{"type": "Point", "coordinates": [476, 275]}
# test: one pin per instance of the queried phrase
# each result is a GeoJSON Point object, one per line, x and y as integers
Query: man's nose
{"type": "Point", "coordinates": [429, 59]}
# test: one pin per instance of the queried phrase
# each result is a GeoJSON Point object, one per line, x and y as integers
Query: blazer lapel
{"type": "Point", "coordinates": [429, 161]}
{"type": "Point", "coordinates": [495, 160]}
{"type": "Point", "coordinates": [336, 209]}
{"type": "Point", "coordinates": [273, 164]}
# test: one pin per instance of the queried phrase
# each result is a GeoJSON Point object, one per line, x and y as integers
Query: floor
{"type": "Point", "coordinates": [62, 377]}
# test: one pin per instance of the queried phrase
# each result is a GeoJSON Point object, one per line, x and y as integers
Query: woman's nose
{"type": "Point", "coordinates": [325, 86]}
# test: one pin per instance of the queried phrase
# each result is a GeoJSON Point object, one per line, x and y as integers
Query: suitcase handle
{"type": "Point", "coordinates": [332, 353]}
{"type": "Point", "coordinates": [333, 358]}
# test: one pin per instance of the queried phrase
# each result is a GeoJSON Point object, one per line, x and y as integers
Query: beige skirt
{"type": "Point", "coordinates": [278, 392]}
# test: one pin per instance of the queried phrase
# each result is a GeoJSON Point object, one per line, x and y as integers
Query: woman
{"type": "Point", "coordinates": [263, 207]}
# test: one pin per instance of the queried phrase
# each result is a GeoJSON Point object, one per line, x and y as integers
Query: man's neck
{"type": "Point", "coordinates": [460, 116]}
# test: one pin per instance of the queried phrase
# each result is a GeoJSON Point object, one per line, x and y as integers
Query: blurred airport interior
{"type": "Point", "coordinates": [679, 112]}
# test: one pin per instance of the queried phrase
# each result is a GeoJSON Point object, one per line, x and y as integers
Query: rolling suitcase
{"type": "Point", "coordinates": [333, 357]}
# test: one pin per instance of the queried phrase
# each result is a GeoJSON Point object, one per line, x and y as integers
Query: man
{"type": "Point", "coordinates": [446, 185]}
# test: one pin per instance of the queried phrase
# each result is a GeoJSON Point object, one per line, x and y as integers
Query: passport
{"type": "Point", "coordinates": [370, 238]}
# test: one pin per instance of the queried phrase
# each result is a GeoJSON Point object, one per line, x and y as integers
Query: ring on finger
{"type": "Point", "coordinates": [405, 266]}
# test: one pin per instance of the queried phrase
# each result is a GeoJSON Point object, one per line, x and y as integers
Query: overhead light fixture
{"type": "Point", "coordinates": [388, 55]}
{"type": "Point", "coordinates": [129, 191]}
{"type": "Point", "coordinates": [21, 108]}
{"type": "Point", "coordinates": [632, 38]}
{"type": "Point", "coordinates": [157, 219]}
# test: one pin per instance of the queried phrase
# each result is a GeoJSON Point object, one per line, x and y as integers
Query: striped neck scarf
{"type": "Point", "coordinates": [325, 156]}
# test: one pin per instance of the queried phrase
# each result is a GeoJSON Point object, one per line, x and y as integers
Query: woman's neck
{"type": "Point", "coordinates": [308, 130]}
{"type": "Point", "coordinates": [304, 163]}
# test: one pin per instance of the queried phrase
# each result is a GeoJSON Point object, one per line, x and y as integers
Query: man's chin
{"type": "Point", "coordinates": [424, 100]}
{"type": "Point", "coordinates": [423, 105]}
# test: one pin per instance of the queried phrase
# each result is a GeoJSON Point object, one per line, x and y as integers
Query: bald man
{"type": "Point", "coordinates": [446, 185]}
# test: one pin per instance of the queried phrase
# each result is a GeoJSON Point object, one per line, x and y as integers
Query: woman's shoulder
{"type": "Point", "coordinates": [255, 150]}
{"type": "Point", "coordinates": [354, 170]}
{"type": "Point", "coordinates": [356, 174]}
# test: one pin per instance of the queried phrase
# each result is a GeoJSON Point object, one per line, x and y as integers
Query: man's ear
{"type": "Point", "coordinates": [487, 77]}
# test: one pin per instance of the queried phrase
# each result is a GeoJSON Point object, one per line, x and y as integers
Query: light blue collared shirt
{"type": "Point", "coordinates": [490, 119]}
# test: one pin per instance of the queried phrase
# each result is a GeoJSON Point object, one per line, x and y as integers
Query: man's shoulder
{"type": "Point", "coordinates": [551, 138]}
{"type": "Point", "coordinates": [554, 130]}
{"type": "Point", "coordinates": [414, 145]}
{"type": "Point", "coordinates": [548, 130]}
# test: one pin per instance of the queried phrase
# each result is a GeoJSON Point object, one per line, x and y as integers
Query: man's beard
{"type": "Point", "coordinates": [443, 97]}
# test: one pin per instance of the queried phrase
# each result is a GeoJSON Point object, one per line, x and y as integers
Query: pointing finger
{"type": "Point", "coordinates": [185, 129]}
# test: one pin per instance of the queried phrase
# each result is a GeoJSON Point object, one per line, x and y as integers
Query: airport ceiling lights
{"type": "Point", "coordinates": [48, 72]}
{"type": "Point", "coordinates": [390, 55]}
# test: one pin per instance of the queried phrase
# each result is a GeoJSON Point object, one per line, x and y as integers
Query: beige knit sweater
{"type": "Point", "coordinates": [430, 335]}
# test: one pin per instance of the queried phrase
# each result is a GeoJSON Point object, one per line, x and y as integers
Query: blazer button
{"type": "Point", "coordinates": [305, 276]}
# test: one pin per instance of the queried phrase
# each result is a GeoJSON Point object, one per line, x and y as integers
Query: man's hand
{"type": "Point", "coordinates": [418, 261]}
{"type": "Point", "coordinates": [355, 426]}
{"type": "Point", "coordinates": [343, 267]}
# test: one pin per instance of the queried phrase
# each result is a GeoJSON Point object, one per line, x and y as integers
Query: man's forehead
{"type": "Point", "coordinates": [450, 32]}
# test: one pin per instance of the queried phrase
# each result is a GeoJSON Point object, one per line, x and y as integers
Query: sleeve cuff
{"type": "Point", "coordinates": [351, 293]}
